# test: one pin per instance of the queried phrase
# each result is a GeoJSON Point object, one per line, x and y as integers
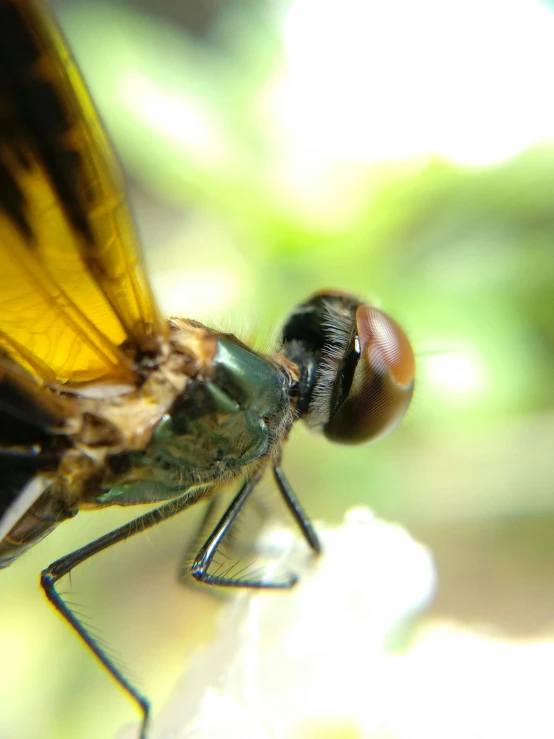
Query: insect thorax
{"type": "Point", "coordinates": [229, 415]}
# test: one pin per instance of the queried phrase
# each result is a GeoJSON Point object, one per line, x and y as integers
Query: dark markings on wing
{"type": "Point", "coordinates": [27, 444]}
{"type": "Point", "coordinates": [37, 109]}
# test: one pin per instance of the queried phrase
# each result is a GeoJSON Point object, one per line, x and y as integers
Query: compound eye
{"type": "Point", "coordinates": [382, 383]}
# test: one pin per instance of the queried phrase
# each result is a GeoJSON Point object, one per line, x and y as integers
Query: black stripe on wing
{"type": "Point", "coordinates": [27, 444]}
{"type": "Point", "coordinates": [35, 105]}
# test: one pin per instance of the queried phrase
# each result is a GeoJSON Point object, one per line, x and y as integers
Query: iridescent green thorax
{"type": "Point", "coordinates": [222, 423]}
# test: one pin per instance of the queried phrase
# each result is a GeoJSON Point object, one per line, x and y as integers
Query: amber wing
{"type": "Point", "coordinates": [75, 303]}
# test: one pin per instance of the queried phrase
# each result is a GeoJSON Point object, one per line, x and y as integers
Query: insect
{"type": "Point", "coordinates": [103, 402]}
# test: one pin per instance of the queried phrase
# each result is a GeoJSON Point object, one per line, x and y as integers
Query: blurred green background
{"type": "Point", "coordinates": [272, 148]}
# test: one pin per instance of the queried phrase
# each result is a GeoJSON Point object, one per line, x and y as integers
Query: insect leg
{"type": "Point", "coordinates": [64, 565]}
{"type": "Point", "coordinates": [206, 554]}
{"type": "Point", "coordinates": [200, 534]}
{"type": "Point", "coordinates": [293, 504]}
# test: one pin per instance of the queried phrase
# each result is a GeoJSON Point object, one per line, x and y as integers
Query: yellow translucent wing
{"type": "Point", "coordinates": [75, 303]}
